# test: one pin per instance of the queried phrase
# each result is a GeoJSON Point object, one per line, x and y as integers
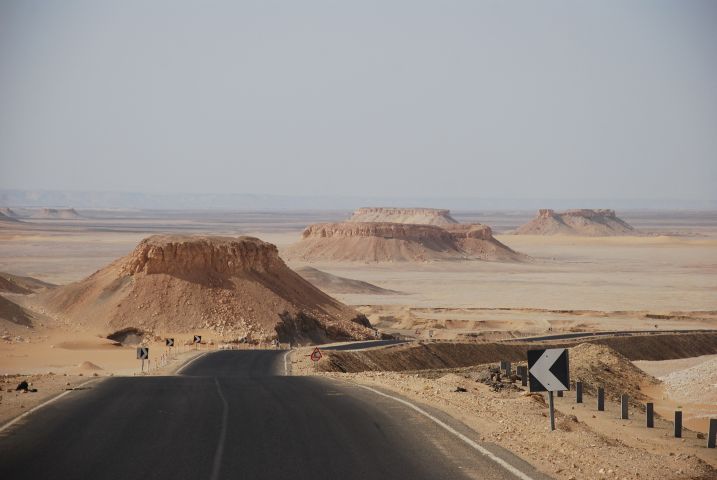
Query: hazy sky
{"type": "Point", "coordinates": [573, 99]}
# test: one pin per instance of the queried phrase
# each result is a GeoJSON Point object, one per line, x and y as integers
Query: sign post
{"type": "Point", "coordinates": [143, 354]}
{"type": "Point", "coordinates": [315, 357]}
{"type": "Point", "coordinates": [169, 342]}
{"type": "Point", "coordinates": [549, 371]}
{"type": "Point", "coordinates": [197, 340]}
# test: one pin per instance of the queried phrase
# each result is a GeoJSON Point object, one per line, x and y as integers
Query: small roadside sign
{"type": "Point", "coordinates": [142, 353]}
{"type": "Point", "coordinates": [549, 371]}
{"type": "Point", "coordinates": [169, 342]}
{"type": "Point", "coordinates": [316, 355]}
{"type": "Point", "coordinates": [197, 339]}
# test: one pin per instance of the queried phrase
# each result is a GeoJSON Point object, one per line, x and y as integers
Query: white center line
{"type": "Point", "coordinates": [222, 434]}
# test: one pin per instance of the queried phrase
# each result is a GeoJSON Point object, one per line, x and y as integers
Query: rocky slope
{"type": "Point", "coordinates": [584, 222]}
{"type": "Point", "coordinates": [334, 284]}
{"type": "Point", "coordinates": [420, 216]}
{"type": "Point", "coordinates": [16, 284]}
{"type": "Point", "coordinates": [396, 242]}
{"type": "Point", "coordinates": [8, 212]}
{"type": "Point", "coordinates": [5, 219]}
{"type": "Point", "coordinates": [236, 287]}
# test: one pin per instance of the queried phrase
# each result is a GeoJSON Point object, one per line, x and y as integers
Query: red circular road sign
{"type": "Point", "coordinates": [316, 355]}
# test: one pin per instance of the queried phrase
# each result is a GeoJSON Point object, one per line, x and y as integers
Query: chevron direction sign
{"type": "Point", "coordinates": [549, 370]}
{"type": "Point", "coordinates": [197, 339]}
{"type": "Point", "coordinates": [142, 353]}
{"type": "Point", "coordinates": [169, 342]}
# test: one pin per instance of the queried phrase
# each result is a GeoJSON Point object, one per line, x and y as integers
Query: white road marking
{"type": "Point", "coordinates": [286, 365]}
{"type": "Point", "coordinates": [222, 434]}
{"type": "Point", "coordinates": [458, 434]}
{"type": "Point", "coordinates": [20, 417]}
{"type": "Point", "coordinates": [189, 363]}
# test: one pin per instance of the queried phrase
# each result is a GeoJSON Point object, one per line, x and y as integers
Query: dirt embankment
{"type": "Point", "coordinates": [236, 287]}
{"type": "Point", "coordinates": [397, 242]}
{"type": "Point", "coordinates": [418, 216]}
{"type": "Point", "coordinates": [583, 222]}
{"type": "Point", "coordinates": [16, 284]}
{"type": "Point", "coordinates": [440, 355]}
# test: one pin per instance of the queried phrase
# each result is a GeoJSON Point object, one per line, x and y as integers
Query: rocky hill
{"type": "Point", "coordinates": [420, 216]}
{"type": "Point", "coordinates": [396, 242]}
{"type": "Point", "coordinates": [583, 222]}
{"type": "Point", "coordinates": [8, 212]}
{"type": "Point", "coordinates": [57, 214]}
{"type": "Point", "coordinates": [236, 287]}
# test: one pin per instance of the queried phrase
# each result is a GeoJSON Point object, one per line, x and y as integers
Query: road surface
{"type": "Point", "coordinates": [233, 415]}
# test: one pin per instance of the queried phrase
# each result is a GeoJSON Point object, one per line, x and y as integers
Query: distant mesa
{"type": "Point", "coordinates": [397, 242]}
{"type": "Point", "coordinates": [418, 216]}
{"type": "Point", "coordinates": [334, 284]}
{"type": "Point", "coordinates": [236, 287]}
{"type": "Point", "coordinates": [583, 222]}
{"type": "Point", "coordinates": [56, 214]}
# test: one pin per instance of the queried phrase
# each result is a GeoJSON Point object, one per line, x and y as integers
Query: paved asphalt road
{"type": "Point", "coordinates": [232, 415]}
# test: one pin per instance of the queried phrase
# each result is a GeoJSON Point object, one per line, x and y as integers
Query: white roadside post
{"type": "Point", "coordinates": [549, 371]}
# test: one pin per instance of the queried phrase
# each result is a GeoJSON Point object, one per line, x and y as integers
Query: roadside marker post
{"type": "Point", "coordinates": [678, 424]}
{"type": "Point", "coordinates": [650, 409]}
{"type": "Point", "coordinates": [197, 341]}
{"type": "Point", "coordinates": [623, 406]}
{"type": "Point", "coordinates": [560, 393]}
{"type": "Point", "coordinates": [712, 435]}
{"type": "Point", "coordinates": [578, 392]}
{"type": "Point", "coordinates": [143, 354]}
{"type": "Point", "coordinates": [601, 399]}
{"type": "Point", "coordinates": [549, 371]}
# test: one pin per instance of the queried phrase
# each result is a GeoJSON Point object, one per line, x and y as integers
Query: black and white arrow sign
{"type": "Point", "coordinates": [169, 342]}
{"type": "Point", "coordinates": [142, 353]}
{"type": "Point", "coordinates": [549, 370]}
{"type": "Point", "coordinates": [197, 339]}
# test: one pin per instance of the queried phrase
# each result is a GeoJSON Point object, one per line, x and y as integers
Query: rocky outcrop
{"type": "Point", "coordinates": [231, 287]}
{"type": "Point", "coordinates": [57, 214]}
{"type": "Point", "coordinates": [396, 242]}
{"type": "Point", "coordinates": [420, 216]}
{"type": "Point", "coordinates": [583, 222]}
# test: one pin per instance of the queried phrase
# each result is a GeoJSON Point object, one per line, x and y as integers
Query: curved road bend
{"type": "Point", "coordinates": [231, 415]}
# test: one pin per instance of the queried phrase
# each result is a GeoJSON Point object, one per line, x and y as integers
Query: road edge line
{"type": "Point", "coordinates": [286, 365]}
{"type": "Point", "coordinates": [476, 446]}
{"type": "Point", "coordinates": [188, 363]}
{"type": "Point", "coordinates": [43, 404]}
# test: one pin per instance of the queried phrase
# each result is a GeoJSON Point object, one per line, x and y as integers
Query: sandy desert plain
{"type": "Point", "coordinates": [662, 280]}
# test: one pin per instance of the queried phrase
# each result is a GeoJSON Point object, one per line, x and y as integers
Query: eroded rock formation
{"type": "Point", "coordinates": [583, 222]}
{"type": "Point", "coordinates": [235, 287]}
{"type": "Point", "coordinates": [420, 216]}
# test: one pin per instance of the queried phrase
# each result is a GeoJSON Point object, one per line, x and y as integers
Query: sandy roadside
{"type": "Point", "coordinates": [49, 385]}
{"type": "Point", "coordinates": [586, 443]}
